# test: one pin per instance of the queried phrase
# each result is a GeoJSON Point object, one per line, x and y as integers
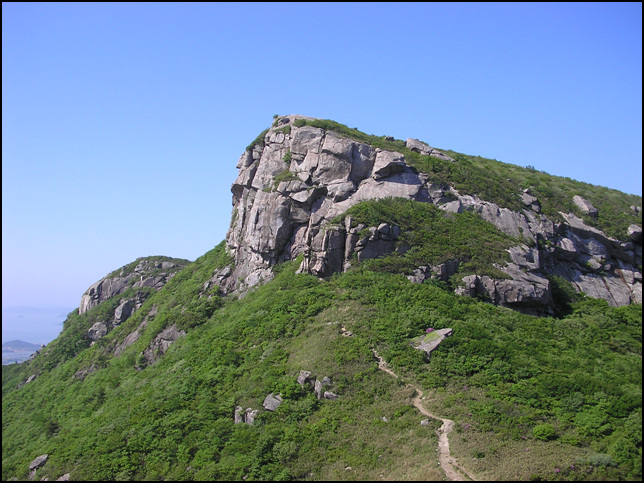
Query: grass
{"type": "Point", "coordinates": [376, 448]}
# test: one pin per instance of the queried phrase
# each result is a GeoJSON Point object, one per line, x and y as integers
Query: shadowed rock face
{"type": "Point", "coordinates": [289, 190]}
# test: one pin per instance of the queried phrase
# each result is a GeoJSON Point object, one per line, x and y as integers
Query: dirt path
{"type": "Point", "coordinates": [452, 469]}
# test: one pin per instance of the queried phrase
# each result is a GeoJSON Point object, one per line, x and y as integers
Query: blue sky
{"type": "Point", "coordinates": [122, 123]}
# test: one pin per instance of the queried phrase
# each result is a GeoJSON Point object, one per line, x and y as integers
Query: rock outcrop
{"type": "Point", "coordinates": [147, 272]}
{"type": "Point", "coordinates": [431, 340]}
{"type": "Point", "coordinates": [247, 417]}
{"type": "Point", "coordinates": [142, 275]}
{"type": "Point", "coordinates": [289, 190]}
{"type": "Point", "coordinates": [161, 343]}
{"type": "Point", "coordinates": [292, 185]}
{"type": "Point", "coordinates": [272, 402]}
{"type": "Point", "coordinates": [35, 464]}
{"type": "Point", "coordinates": [585, 206]}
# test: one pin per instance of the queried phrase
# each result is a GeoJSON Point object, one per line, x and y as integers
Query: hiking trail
{"type": "Point", "coordinates": [453, 470]}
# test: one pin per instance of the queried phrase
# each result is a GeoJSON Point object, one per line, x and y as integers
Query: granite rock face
{"type": "Point", "coordinates": [291, 188]}
{"type": "Point", "coordinates": [161, 343]}
{"type": "Point", "coordinates": [148, 272]}
{"type": "Point", "coordinates": [283, 209]}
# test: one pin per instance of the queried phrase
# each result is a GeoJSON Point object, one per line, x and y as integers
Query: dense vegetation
{"type": "Point", "coordinates": [431, 236]}
{"type": "Point", "coordinates": [567, 389]}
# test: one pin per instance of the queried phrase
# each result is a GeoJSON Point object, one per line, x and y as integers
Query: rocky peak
{"type": "Point", "coordinates": [291, 187]}
{"type": "Point", "coordinates": [302, 174]}
{"type": "Point", "coordinates": [151, 272]}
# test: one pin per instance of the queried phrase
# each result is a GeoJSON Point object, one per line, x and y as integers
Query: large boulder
{"type": "Point", "coordinates": [526, 292]}
{"type": "Point", "coordinates": [585, 206]}
{"type": "Point", "coordinates": [635, 233]}
{"type": "Point", "coordinates": [38, 462]}
{"type": "Point", "coordinates": [96, 331]}
{"type": "Point", "coordinates": [271, 402]}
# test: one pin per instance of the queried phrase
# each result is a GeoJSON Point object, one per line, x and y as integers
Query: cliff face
{"type": "Point", "coordinates": [292, 185]}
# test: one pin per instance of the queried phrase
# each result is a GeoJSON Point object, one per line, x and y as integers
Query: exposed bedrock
{"type": "Point", "coordinates": [290, 189]}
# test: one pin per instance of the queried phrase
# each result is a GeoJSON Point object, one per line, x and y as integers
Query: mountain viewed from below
{"type": "Point", "coordinates": [379, 309]}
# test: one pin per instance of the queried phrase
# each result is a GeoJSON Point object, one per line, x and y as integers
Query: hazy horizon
{"type": "Point", "coordinates": [36, 324]}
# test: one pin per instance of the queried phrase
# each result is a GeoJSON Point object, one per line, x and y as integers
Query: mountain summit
{"type": "Point", "coordinates": [301, 175]}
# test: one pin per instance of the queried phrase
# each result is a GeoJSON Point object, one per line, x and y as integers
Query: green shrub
{"type": "Point", "coordinates": [544, 432]}
{"type": "Point", "coordinates": [258, 141]}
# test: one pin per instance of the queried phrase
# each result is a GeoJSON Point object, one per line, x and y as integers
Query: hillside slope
{"type": "Point", "coordinates": [256, 361]}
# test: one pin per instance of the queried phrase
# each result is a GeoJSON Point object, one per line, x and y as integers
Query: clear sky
{"type": "Point", "coordinates": [122, 123]}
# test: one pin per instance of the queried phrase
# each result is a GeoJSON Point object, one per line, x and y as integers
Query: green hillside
{"type": "Point", "coordinates": [532, 398]}
{"type": "Point", "coordinates": [511, 383]}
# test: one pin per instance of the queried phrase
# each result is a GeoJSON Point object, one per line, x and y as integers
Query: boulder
{"type": "Point", "coordinates": [271, 403]}
{"type": "Point", "coordinates": [96, 331]}
{"type": "Point", "coordinates": [250, 416]}
{"type": "Point", "coordinates": [239, 415]}
{"type": "Point", "coordinates": [635, 233]}
{"type": "Point", "coordinates": [124, 310]}
{"type": "Point", "coordinates": [38, 462]}
{"type": "Point", "coordinates": [432, 340]}
{"type": "Point", "coordinates": [418, 146]}
{"type": "Point", "coordinates": [303, 378]}
{"type": "Point", "coordinates": [530, 201]}
{"type": "Point", "coordinates": [387, 163]}
{"type": "Point", "coordinates": [419, 275]}
{"type": "Point", "coordinates": [424, 149]}
{"type": "Point", "coordinates": [585, 206]}
{"type": "Point", "coordinates": [526, 292]}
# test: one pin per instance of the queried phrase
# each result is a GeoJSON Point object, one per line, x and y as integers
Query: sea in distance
{"type": "Point", "coordinates": [33, 325]}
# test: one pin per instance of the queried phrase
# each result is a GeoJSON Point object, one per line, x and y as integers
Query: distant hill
{"type": "Point", "coordinates": [19, 345]}
{"type": "Point", "coordinates": [17, 351]}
